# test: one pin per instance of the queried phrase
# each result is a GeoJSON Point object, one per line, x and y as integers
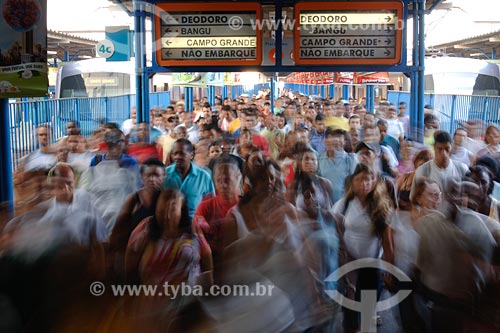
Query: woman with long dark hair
{"type": "Point", "coordinates": [161, 248]}
{"type": "Point", "coordinates": [136, 208]}
{"type": "Point", "coordinates": [306, 171]}
{"type": "Point", "coordinates": [363, 233]}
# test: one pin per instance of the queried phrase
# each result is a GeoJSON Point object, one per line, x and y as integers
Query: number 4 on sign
{"type": "Point", "coordinates": [272, 55]}
{"type": "Point", "coordinates": [104, 49]}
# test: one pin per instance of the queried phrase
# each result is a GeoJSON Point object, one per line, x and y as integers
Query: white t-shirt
{"type": "Point", "coordinates": [51, 223]}
{"type": "Point", "coordinates": [38, 161]}
{"type": "Point", "coordinates": [455, 171]}
{"type": "Point", "coordinates": [406, 241]}
{"type": "Point", "coordinates": [395, 128]}
{"type": "Point", "coordinates": [462, 155]}
{"type": "Point", "coordinates": [359, 237]}
{"type": "Point", "coordinates": [127, 126]}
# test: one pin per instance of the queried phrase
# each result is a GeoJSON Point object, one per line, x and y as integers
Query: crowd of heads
{"type": "Point", "coordinates": [215, 181]}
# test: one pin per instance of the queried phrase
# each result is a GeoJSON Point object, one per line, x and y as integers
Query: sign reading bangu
{"type": "Point", "coordinates": [348, 33]}
{"type": "Point", "coordinates": [208, 34]}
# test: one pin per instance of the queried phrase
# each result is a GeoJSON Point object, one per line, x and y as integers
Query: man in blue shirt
{"type": "Point", "coordinates": [335, 164]}
{"type": "Point", "coordinates": [317, 140]}
{"type": "Point", "coordinates": [185, 176]}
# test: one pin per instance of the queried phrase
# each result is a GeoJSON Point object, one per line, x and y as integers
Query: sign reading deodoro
{"type": "Point", "coordinates": [208, 34]}
{"type": "Point", "coordinates": [23, 48]}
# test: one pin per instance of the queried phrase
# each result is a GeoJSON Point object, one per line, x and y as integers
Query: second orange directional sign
{"type": "Point", "coordinates": [348, 33]}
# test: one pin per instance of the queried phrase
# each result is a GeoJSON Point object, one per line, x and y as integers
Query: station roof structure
{"type": "Point", "coordinates": [482, 47]}
{"type": "Point", "coordinates": [429, 4]}
{"type": "Point", "coordinates": [78, 48]}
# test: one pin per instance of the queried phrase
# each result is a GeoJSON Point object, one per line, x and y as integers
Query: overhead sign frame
{"type": "Point", "coordinates": [219, 9]}
{"type": "Point", "coordinates": [344, 16]}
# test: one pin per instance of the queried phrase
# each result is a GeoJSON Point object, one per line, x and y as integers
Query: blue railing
{"type": "Point", "coordinates": [89, 112]}
{"type": "Point", "coordinates": [455, 110]}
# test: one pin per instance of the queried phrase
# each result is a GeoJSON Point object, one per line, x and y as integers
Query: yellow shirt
{"type": "Point", "coordinates": [337, 122]}
{"type": "Point", "coordinates": [167, 143]}
{"type": "Point", "coordinates": [234, 125]}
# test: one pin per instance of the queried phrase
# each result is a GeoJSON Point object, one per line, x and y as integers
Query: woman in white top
{"type": "Point", "coordinates": [363, 233]}
{"type": "Point", "coordinates": [426, 198]}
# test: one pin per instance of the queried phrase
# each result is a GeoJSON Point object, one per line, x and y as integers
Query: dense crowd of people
{"type": "Point", "coordinates": [238, 194]}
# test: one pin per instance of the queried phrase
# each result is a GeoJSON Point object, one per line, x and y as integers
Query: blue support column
{"type": "Point", "coordinates": [272, 96]}
{"type": "Point", "coordinates": [452, 113]}
{"type": "Point", "coordinates": [332, 91]}
{"type": "Point", "coordinates": [6, 185]}
{"type": "Point", "coordinates": [421, 64]}
{"type": "Point", "coordinates": [233, 92]}
{"type": "Point", "coordinates": [485, 109]}
{"type": "Point", "coordinates": [345, 92]}
{"type": "Point", "coordinates": [139, 65]}
{"type": "Point", "coordinates": [413, 107]}
{"type": "Point", "coordinates": [322, 91]}
{"type": "Point", "coordinates": [370, 98]}
{"type": "Point", "coordinates": [224, 92]}
{"type": "Point", "coordinates": [211, 95]}
{"type": "Point", "coordinates": [188, 98]}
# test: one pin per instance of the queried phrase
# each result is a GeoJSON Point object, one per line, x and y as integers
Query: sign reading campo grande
{"type": "Point", "coordinates": [208, 34]}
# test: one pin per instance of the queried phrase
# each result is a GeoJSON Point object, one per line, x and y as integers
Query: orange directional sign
{"type": "Point", "coordinates": [348, 33]}
{"type": "Point", "coordinates": [208, 34]}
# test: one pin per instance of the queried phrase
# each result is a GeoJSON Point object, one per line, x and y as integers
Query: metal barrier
{"type": "Point", "coordinates": [454, 110]}
{"type": "Point", "coordinates": [89, 112]}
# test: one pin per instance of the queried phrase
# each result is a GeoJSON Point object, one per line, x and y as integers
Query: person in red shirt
{"type": "Point", "coordinates": [249, 121]}
{"type": "Point", "coordinates": [210, 213]}
{"type": "Point", "coordinates": [142, 150]}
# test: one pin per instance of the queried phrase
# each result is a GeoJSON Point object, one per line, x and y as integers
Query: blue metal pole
{"type": "Point", "coordinates": [139, 66]}
{"type": "Point", "coordinates": [345, 92]}
{"type": "Point", "coordinates": [233, 92]}
{"type": "Point", "coordinates": [271, 97]}
{"type": "Point", "coordinates": [452, 113]}
{"type": "Point", "coordinates": [106, 109]}
{"type": "Point", "coordinates": [224, 92]}
{"type": "Point", "coordinates": [332, 91]}
{"type": "Point", "coordinates": [6, 185]}
{"type": "Point", "coordinates": [421, 64]}
{"type": "Point", "coordinates": [485, 109]}
{"type": "Point", "coordinates": [413, 106]}
{"type": "Point", "coordinates": [370, 98]}
{"type": "Point", "coordinates": [188, 98]}
{"type": "Point", "coordinates": [211, 95]}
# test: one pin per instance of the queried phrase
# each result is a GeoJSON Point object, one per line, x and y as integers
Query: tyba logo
{"type": "Point", "coordinates": [368, 305]}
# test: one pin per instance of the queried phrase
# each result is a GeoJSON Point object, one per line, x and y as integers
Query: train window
{"type": "Point", "coordinates": [486, 85]}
